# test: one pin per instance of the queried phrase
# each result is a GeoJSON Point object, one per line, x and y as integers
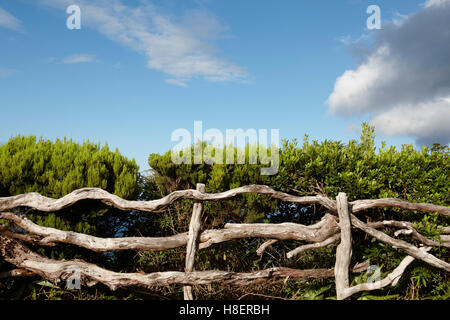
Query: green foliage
{"type": "Point", "coordinates": [54, 169]}
{"type": "Point", "coordinates": [315, 294]}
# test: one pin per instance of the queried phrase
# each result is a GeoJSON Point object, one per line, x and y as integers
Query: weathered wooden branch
{"type": "Point", "coordinates": [320, 231]}
{"type": "Point", "coordinates": [264, 246]}
{"type": "Point", "coordinates": [52, 235]}
{"type": "Point", "coordinates": [408, 229]}
{"type": "Point", "coordinates": [392, 278]}
{"type": "Point", "coordinates": [344, 249]}
{"type": "Point", "coordinates": [326, 227]}
{"type": "Point", "coordinates": [325, 243]}
{"type": "Point", "coordinates": [400, 244]}
{"type": "Point", "coordinates": [90, 274]}
{"type": "Point", "coordinates": [191, 247]}
{"type": "Point", "coordinates": [360, 205]}
{"type": "Point", "coordinates": [41, 203]}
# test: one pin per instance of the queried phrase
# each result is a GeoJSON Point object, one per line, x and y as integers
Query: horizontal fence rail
{"type": "Point", "coordinates": [335, 227]}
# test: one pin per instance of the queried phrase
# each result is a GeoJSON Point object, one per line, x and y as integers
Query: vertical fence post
{"type": "Point", "coordinates": [191, 247]}
{"type": "Point", "coordinates": [344, 249]}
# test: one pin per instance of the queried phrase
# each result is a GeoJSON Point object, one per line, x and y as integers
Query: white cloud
{"type": "Point", "coordinates": [177, 46]}
{"type": "Point", "coordinates": [428, 121]}
{"type": "Point", "coordinates": [7, 20]}
{"type": "Point", "coordinates": [354, 90]}
{"type": "Point", "coordinates": [402, 79]}
{"type": "Point", "coordinates": [78, 58]}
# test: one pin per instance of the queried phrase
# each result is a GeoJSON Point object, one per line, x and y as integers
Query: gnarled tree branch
{"type": "Point", "coordinates": [90, 274]}
{"type": "Point", "coordinates": [264, 246]}
{"type": "Point", "coordinates": [360, 205]}
{"type": "Point", "coordinates": [344, 249]}
{"type": "Point", "coordinates": [325, 243]}
{"type": "Point", "coordinates": [407, 228]}
{"type": "Point", "coordinates": [41, 203]}
{"type": "Point", "coordinates": [284, 231]}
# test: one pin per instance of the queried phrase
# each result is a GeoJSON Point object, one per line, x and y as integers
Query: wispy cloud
{"type": "Point", "coordinates": [176, 82]}
{"type": "Point", "coordinates": [435, 3]}
{"type": "Point", "coordinates": [78, 58]}
{"type": "Point", "coordinates": [178, 46]}
{"type": "Point", "coordinates": [7, 20]}
{"type": "Point", "coordinates": [6, 72]}
{"type": "Point", "coordinates": [70, 59]}
{"type": "Point", "coordinates": [348, 40]}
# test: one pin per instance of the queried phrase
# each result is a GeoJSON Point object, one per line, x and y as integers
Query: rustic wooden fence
{"type": "Point", "coordinates": [335, 227]}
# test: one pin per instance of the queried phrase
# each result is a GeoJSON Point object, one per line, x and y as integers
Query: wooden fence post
{"type": "Point", "coordinates": [191, 248]}
{"type": "Point", "coordinates": [344, 249]}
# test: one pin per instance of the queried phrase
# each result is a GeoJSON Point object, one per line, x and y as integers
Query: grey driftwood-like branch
{"type": "Point", "coordinates": [90, 274]}
{"type": "Point", "coordinates": [360, 205]}
{"type": "Point", "coordinates": [319, 231]}
{"type": "Point", "coordinates": [409, 229]}
{"type": "Point", "coordinates": [45, 204]}
{"type": "Point", "coordinates": [344, 249]}
{"type": "Point", "coordinates": [264, 246]}
{"type": "Point", "coordinates": [325, 243]}
{"type": "Point", "coordinates": [192, 244]}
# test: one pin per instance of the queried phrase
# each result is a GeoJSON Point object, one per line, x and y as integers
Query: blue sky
{"type": "Point", "coordinates": [138, 70]}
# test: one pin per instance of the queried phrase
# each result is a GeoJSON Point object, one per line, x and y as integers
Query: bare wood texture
{"type": "Point", "coordinates": [41, 203]}
{"type": "Point", "coordinates": [344, 249]}
{"type": "Point", "coordinates": [360, 205]}
{"type": "Point", "coordinates": [191, 247]}
{"type": "Point", "coordinates": [284, 231]}
{"type": "Point", "coordinates": [325, 243]}
{"type": "Point", "coordinates": [410, 230]}
{"type": "Point", "coordinates": [264, 246]}
{"type": "Point", "coordinates": [320, 231]}
{"type": "Point", "coordinates": [400, 244]}
{"type": "Point", "coordinates": [90, 274]}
